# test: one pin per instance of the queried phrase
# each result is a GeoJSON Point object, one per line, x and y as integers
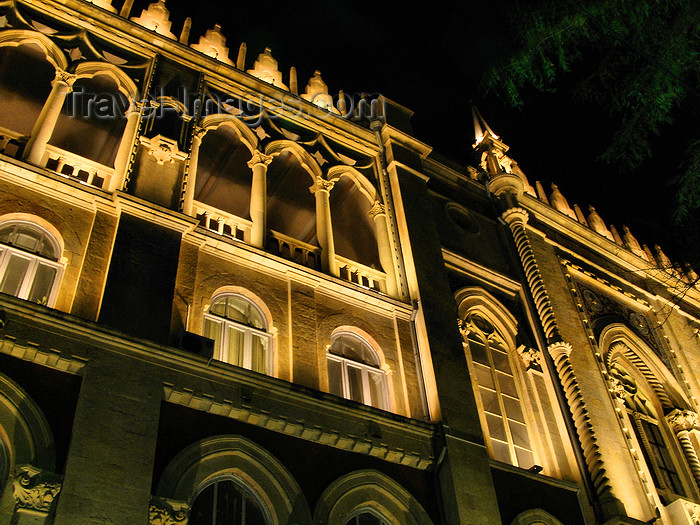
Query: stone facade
{"type": "Point", "coordinates": [225, 300]}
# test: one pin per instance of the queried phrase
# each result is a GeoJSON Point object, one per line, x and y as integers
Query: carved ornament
{"type": "Point", "coordinates": [376, 209]}
{"type": "Point", "coordinates": [35, 489]}
{"type": "Point", "coordinates": [680, 420]}
{"type": "Point", "coordinates": [322, 184]}
{"type": "Point", "coordinates": [164, 511]}
{"type": "Point", "coordinates": [162, 149]}
{"type": "Point", "coordinates": [259, 158]}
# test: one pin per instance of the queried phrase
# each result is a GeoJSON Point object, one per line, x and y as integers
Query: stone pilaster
{"type": "Point", "coordinates": [258, 197]}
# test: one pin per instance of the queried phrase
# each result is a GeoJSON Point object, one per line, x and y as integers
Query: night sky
{"type": "Point", "coordinates": [431, 61]}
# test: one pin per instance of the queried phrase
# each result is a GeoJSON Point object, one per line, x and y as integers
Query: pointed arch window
{"type": "Point", "coordinates": [649, 432]}
{"type": "Point", "coordinates": [29, 267]}
{"type": "Point", "coordinates": [506, 428]}
{"type": "Point", "coordinates": [354, 371]}
{"type": "Point", "coordinates": [366, 516]}
{"type": "Point", "coordinates": [239, 329]}
{"type": "Point", "coordinates": [228, 500]}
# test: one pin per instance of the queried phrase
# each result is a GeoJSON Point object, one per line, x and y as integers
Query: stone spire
{"type": "Point", "coordinates": [631, 243]}
{"type": "Point", "coordinates": [559, 202]}
{"type": "Point", "coordinates": [492, 149]}
{"type": "Point", "coordinates": [156, 18]}
{"type": "Point", "coordinates": [597, 224]}
{"type": "Point", "coordinates": [265, 68]}
{"type": "Point", "coordinates": [213, 44]}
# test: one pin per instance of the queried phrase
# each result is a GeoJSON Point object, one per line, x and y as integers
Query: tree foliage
{"type": "Point", "coordinates": [640, 59]}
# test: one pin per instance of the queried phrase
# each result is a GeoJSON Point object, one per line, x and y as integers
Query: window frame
{"type": "Point", "coordinates": [241, 484]}
{"type": "Point", "coordinates": [493, 370]}
{"type": "Point", "coordinates": [35, 261]}
{"type": "Point", "coordinates": [222, 349]}
{"type": "Point", "coordinates": [365, 371]}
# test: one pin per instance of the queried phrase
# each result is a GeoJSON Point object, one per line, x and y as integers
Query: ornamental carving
{"type": "Point", "coordinates": [376, 209]}
{"type": "Point", "coordinates": [617, 388]}
{"type": "Point", "coordinates": [65, 77]}
{"type": "Point", "coordinates": [530, 357]}
{"type": "Point", "coordinates": [680, 420]}
{"type": "Point", "coordinates": [162, 149]}
{"type": "Point", "coordinates": [322, 184]}
{"type": "Point", "coordinates": [259, 158]}
{"type": "Point", "coordinates": [164, 511]}
{"type": "Point", "coordinates": [35, 489]}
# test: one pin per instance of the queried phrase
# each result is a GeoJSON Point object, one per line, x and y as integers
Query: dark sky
{"type": "Point", "coordinates": [431, 61]}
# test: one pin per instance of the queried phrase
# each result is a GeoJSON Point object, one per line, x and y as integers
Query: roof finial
{"type": "Point", "coordinates": [481, 128]}
{"type": "Point", "coordinates": [186, 28]}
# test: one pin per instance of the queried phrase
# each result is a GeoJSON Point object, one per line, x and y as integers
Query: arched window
{"type": "Point", "coordinates": [506, 429]}
{"type": "Point", "coordinates": [29, 267]}
{"type": "Point", "coordinates": [227, 501]}
{"type": "Point", "coordinates": [367, 516]}
{"type": "Point", "coordinates": [354, 371]}
{"type": "Point", "coordinates": [240, 330]}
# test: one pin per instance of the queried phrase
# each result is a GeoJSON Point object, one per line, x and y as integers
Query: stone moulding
{"type": "Point", "coordinates": [299, 428]}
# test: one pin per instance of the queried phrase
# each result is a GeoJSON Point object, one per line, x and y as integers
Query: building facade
{"type": "Point", "coordinates": [228, 298]}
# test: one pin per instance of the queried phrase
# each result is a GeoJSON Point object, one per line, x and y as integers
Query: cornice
{"type": "Point", "coordinates": [481, 274]}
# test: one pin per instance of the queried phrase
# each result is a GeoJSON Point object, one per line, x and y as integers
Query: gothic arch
{"type": "Point", "coordinates": [306, 161]}
{"type": "Point", "coordinates": [25, 434]}
{"type": "Point", "coordinates": [121, 79]}
{"type": "Point", "coordinates": [200, 463]}
{"type": "Point", "coordinates": [244, 133]}
{"type": "Point", "coordinates": [617, 341]}
{"type": "Point", "coordinates": [366, 187]}
{"type": "Point", "coordinates": [17, 37]}
{"type": "Point", "coordinates": [473, 298]}
{"type": "Point", "coordinates": [368, 489]}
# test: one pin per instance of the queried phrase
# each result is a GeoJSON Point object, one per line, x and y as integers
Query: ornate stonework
{"type": "Point", "coordinates": [164, 511]}
{"type": "Point", "coordinates": [35, 489]}
{"type": "Point", "coordinates": [259, 158]}
{"type": "Point", "coordinates": [683, 420]}
{"type": "Point", "coordinates": [322, 184]}
{"type": "Point", "coordinates": [530, 358]}
{"type": "Point", "coordinates": [162, 149]}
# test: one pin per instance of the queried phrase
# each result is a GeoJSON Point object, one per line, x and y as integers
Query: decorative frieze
{"type": "Point", "coordinates": [163, 511]}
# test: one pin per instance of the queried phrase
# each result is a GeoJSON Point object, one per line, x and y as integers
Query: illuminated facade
{"type": "Point", "coordinates": [229, 299]}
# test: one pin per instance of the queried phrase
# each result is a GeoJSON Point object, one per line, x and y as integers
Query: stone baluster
{"type": "Point", "coordinates": [46, 123]}
{"type": "Point", "coordinates": [258, 197]}
{"type": "Point", "coordinates": [378, 215]}
{"type": "Point", "coordinates": [324, 226]}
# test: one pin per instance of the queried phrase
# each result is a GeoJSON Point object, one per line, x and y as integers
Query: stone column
{"type": "Point", "coordinates": [121, 161]}
{"type": "Point", "coordinates": [45, 124]}
{"type": "Point", "coordinates": [686, 424]}
{"type": "Point", "coordinates": [258, 197]}
{"type": "Point", "coordinates": [324, 227]}
{"type": "Point", "coordinates": [559, 350]}
{"type": "Point", "coordinates": [386, 258]}
{"type": "Point", "coordinates": [191, 178]}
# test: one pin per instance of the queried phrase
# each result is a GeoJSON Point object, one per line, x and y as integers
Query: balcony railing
{"type": "Point", "coordinates": [12, 143]}
{"type": "Point", "coordinates": [294, 250]}
{"type": "Point", "coordinates": [221, 222]}
{"type": "Point", "coordinates": [76, 167]}
{"type": "Point", "coordinates": [360, 274]}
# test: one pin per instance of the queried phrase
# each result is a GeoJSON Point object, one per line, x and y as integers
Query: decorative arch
{"type": "Point", "coordinates": [366, 187]}
{"type": "Point", "coordinates": [17, 37]}
{"type": "Point", "coordinates": [245, 134]}
{"type": "Point", "coordinates": [254, 298]}
{"type": "Point", "coordinates": [368, 489]}
{"type": "Point", "coordinates": [25, 434]}
{"type": "Point", "coordinates": [535, 517]}
{"type": "Point", "coordinates": [200, 463]}
{"type": "Point", "coordinates": [473, 298]}
{"type": "Point", "coordinates": [617, 340]}
{"type": "Point", "coordinates": [38, 221]}
{"type": "Point", "coordinates": [359, 332]}
{"type": "Point", "coordinates": [305, 160]}
{"type": "Point", "coordinates": [121, 79]}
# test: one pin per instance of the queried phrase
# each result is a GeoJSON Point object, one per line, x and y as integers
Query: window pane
{"type": "Point", "coordinates": [14, 275]}
{"type": "Point", "coordinates": [496, 428]}
{"type": "Point", "coordinates": [367, 518]}
{"type": "Point", "coordinates": [233, 353]}
{"type": "Point", "coordinates": [212, 330]}
{"type": "Point", "coordinates": [27, 238]}
{"type": "Point", "coordinates": [355, 383]}
{"type": "Point", "coordinates": [519, 433]}
{"type": "Point", "coordinates": [513, 409]}
{"type": "Point", "coordinates": [258, 361]}
{"type": "Point", "coordinates": [376, 388]}
{"type": "Point", "coordinates": [500, 361]}
{"type": "Point", "coordinates": [43, 281]}
{"type": "Point", "coordinates": [506, 384]}
{"type": "Point", "coordinates": [483, 376]}
{"type": "Point", "coordinates": [501, 452]}
{"type": "Point", "coordinates": [525, 457]}
{"type": "Point", "coordinates": [202, 512]}
{"type": "Point", "coordinates": [479, 354]}
{"type": "Point", "coordinates": [253, 513]}
{"type": "Point", "coordinates": [256, 319]}
{"type": "Point", "coordinates": [237, 309]}
{"type": "Point", "coordinates": [489, 399]}
{"type": "Point", "coordinates": [335, 382]}
{"type": "Point", "coordinates": [229, 503]}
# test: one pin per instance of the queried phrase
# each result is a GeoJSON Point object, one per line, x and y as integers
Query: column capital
{"type": "Point", "coordinates": [198, 133]}
{"type": "Point", "coordinates": [64, 77]}
{"type": "Point", "coordinates": [35, 489]}
{"type": "Point", "coordinates": [680, 420]}
{"type": "Point", "coordinates": [559, 348]}
{"type": "Point", "coordinates": [259, 158]}
{"type": "Point", "coordinates": [321, 184]}
{"type": "Point", "coordinates": [377, 209]}
{"type": "Point", "coordinates": [515, 215]}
